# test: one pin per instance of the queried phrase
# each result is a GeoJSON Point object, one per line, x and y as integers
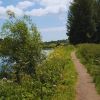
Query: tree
{"type": "Point", "coordinates": [21, 46]}
{"type": "Point", "coordinates": [81, 26]}
{"type": "Point", "coordinates": [97, 20]}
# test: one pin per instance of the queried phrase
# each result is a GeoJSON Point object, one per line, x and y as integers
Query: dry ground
{"type": "Point", "coordinates": [85, 86]}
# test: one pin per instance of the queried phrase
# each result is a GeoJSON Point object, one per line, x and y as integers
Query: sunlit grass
{"type": "Point", "coordinates": [90, 57]}
{"type": "Point", "coordinates": [66, 88]}
{"type": "Point", "coordinates": [55, 80]}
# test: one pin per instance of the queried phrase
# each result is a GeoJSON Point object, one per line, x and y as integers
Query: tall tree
{"type": "Point", "coordinates": [81, 26]}
{"type": "Point", "coordinates": [21, 45]}
{"type": "Point", "coordinates": [97, 20]}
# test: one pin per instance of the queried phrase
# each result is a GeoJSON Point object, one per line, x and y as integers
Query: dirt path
{"type": "Point", "coordinates": [85, 88]}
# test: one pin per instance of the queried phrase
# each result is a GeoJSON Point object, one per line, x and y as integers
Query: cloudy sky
{"type": "Point", "coordinates": [49, 15]}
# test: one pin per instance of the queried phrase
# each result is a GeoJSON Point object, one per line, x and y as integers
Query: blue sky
{"type": "Point", "coordinates": [49, 15]}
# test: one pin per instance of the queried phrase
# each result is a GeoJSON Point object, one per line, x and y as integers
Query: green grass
{"type": "Point", "coordinates": [55, 80]}
{"type": "Point", "coordinates": [89, 55]}
{"type": "Point", "coordinates": [66, 88]}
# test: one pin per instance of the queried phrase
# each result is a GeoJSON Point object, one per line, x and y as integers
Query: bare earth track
{"type": "Point", "coordinates": [85, 86]}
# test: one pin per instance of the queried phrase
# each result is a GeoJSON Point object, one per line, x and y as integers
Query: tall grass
{"type": "Point", "coordinates": [55, 80]}
{"type": "Point", "coordinates": [90, 56]}
{"type": "Point", "coordinates": [66, 87]}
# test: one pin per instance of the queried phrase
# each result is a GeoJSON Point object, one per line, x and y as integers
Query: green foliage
{"type": "Point", "coordinates": [90, 56]}
{"type": "Point", "coordinates": [49, 46]}
{"type": "Point", "coordinates": [55, 79]}
{"type": "Point", "coordinates": [53, 44]}
{"type": "Point", "coordinates": [81, 24]}
{"type": "Point", "coordinates": [97, 20]}
{"type": "Point", "coordinates": [32, 76]}
{"type": "Point", "coordinates": [5, 71]}
{"type": "Point", "coordinates": [21, 45]}
{"type": "Point", "coordinates": [13, 91]}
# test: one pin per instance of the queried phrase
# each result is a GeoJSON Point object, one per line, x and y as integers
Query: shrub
{"type": "Point", "coordinates": [54, 80]}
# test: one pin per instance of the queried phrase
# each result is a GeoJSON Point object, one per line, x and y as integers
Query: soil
{"type": "Point", "coordinates": [85, 87]}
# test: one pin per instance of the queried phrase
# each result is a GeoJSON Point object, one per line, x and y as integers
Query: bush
{"type": "Point", "coordinates": [54, 80]}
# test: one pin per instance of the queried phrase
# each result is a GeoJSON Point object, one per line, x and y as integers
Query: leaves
{"type": "Point", "coordinates": [21, 44]}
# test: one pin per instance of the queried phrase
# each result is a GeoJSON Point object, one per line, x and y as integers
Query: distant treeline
{"type": "Point", "coordinates": [52, 44]}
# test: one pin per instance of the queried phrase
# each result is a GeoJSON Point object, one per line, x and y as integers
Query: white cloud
{"type": "Point", "coordinates": [36, 12]}
{"type": "Point", "coordinates": [24, 4]}
{"type": "Point", "coordinates": [46, 7]}
{"type": "Point", "coordinates": [2, 12]}
{"type": "Point", "coordinates": [30, 0]}
{"type": "Point", "coordinates": [16, 10]}
{"type": "Point", "coordinates": [53, 3]}
{"type": "Point", "coordinates": [50, 7]}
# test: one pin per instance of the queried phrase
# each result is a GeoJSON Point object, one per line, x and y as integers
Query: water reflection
{"type": "Point", "coordinates": [47, 51]}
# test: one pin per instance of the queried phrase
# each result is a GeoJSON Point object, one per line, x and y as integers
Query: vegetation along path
{"type": "Point", "coordinates": [85, 87]}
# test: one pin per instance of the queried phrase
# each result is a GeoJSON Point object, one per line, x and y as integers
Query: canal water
{"type": "Point", "coordinates": [47, 51]}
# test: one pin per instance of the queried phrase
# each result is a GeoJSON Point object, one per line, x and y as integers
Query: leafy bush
{"type": "Point", "coordinates": [21, 46]}
{"type": "Point", "coordinates": [54, 80]}
{"type": "Point", "coordinates": [90, 56]}
{"type": "Point", "coordinates": [57, 75]}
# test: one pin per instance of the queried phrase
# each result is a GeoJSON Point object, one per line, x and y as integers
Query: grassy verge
{"type": "Point", "coordinates": [55, 79]}
{"type": "Point", "coordinates": [66, 86]}
{"type": "Point", "coordinates": [89, 55]}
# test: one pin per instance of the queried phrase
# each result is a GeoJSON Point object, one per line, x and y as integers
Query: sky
{"type": "Point", "coordinates": [49, 15]}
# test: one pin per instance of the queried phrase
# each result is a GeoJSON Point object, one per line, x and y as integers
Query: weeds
{"type": "Point", "coordinates": [90, 56]}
